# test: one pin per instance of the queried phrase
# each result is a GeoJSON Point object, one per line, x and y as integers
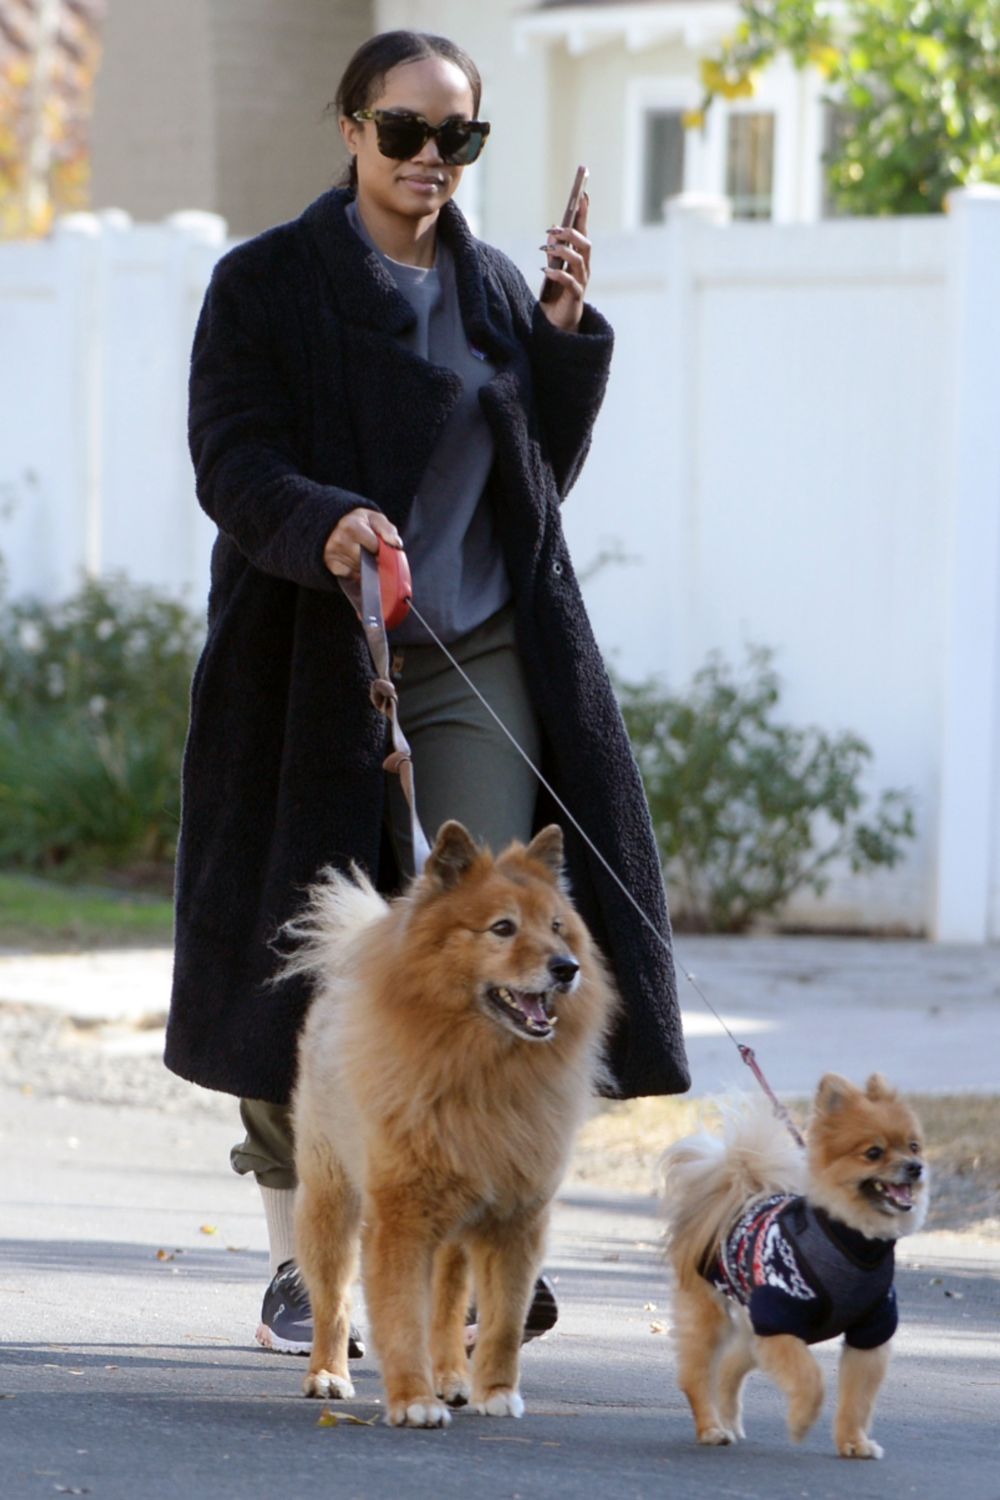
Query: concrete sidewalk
{"type": "Point", "coordinates": [926, 1015]}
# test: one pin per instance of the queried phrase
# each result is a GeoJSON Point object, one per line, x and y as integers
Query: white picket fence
{"type": "Point", "coordinates": [800, 449]}
{"type": "Point", "coordinates": [95, 337]}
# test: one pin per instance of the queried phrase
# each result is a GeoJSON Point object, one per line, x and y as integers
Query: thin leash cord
{"type": "Point", "coordinates": [746, 1053]}
{"type": "Point", "coordinates": [565, 810]}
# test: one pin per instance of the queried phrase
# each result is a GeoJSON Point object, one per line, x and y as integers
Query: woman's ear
{"type": "Point", "coordinates": [349, 130]}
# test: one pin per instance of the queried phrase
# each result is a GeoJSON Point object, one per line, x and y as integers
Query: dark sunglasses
{"type": "Point", "coordinates": [401, 134]}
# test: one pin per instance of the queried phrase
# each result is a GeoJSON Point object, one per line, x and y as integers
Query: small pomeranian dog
{"type": "Point", "coordinates": [774, 1249]}
{"type": "Point", "coordinates": [449, 1055]}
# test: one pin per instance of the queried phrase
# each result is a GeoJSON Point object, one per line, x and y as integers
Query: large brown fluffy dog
{"type": "Point", "coordinates": [448, 1057]}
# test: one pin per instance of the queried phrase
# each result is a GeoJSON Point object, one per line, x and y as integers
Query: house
{"type": "Point", "coordinates": [606, 82]}
{"type": "Point", "coordinates": [219, 105]}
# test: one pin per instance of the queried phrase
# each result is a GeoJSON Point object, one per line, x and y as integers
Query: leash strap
{"type": "Point", "coordinates": [385, 699]}
{"type": "Point", "coordinates": [750, 1058]}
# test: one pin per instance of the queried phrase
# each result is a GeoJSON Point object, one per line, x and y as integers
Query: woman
{"type": "Point", "coordinates": [373, 371]}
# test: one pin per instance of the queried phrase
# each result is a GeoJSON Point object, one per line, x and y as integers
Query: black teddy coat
{"type": "Point", "coordinates": [304, 406]}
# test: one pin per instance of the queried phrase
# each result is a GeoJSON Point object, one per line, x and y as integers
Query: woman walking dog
{"type": "Point", "coordinates": [372, 372]}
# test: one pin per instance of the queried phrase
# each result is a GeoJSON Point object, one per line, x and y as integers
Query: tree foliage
{"type": "Point", "coordinates": [49, 54]}
{"type": "Point", "coordinates": [916, 85]}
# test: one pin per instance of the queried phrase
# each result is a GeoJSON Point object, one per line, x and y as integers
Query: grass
{"type": "Point", "coordinates": [48, 916]}
{"type": "Point", "coordinates": [621, 1146]}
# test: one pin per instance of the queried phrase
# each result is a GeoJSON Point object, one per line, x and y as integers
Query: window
{"type": "Point", "coordinates": [750, 164]}
{"type": "Point", "coordinates": [663, 161]}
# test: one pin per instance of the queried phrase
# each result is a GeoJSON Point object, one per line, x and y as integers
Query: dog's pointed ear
{"type": "Point", "coordinates": [548, 849]}
{"type": "Point", "coordinates": [453, 855]}
{"type": "Point", "coordinates": [832, 1093]}
{"type": "Point", "coordinates": [879, 1089]}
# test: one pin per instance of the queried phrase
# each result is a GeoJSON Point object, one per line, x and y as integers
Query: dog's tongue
{"type": "Point", "coordinates": [901, 1193]}
{"type": "Point", "coordinates": [532, 1009]}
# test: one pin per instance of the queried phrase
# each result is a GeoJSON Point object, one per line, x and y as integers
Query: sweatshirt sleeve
{"type": "Point", "coordinates": [241, 434]}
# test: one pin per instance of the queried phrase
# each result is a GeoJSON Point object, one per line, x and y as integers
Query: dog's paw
{"type": "Point", "coordinates": [501, 1403]}
{"type": "Point", "coordinates": [327, 1386]}
{"type": "Point", "coordinates": [859, 1446]}
{"type": "Point", "coordinates": [716, 1437]}
{"type": "Point", "coordinates": [731, 1422]}
{"type": "Point", "coordinates": [423, 1413]}
{"type": "Point", "coordinates": [453, 1387]}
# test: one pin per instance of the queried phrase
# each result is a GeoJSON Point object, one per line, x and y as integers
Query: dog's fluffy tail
{"type": "Point", "coordinates": [708, 1179]}
{"type": "Point", "coordinates": [320, 942]}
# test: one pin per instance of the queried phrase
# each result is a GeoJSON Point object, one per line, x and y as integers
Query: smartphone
{"type": "Point", "coordinates": [551, 289]}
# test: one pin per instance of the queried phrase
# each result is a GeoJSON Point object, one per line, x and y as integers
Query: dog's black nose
{"type": "Point", "coordinates": [563, 968]}
{"type": "Point", "coordinates": [914, 1170]}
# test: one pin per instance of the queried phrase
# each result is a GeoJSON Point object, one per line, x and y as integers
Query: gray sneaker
{"type": "Point", "coordinates": [286, 1324]}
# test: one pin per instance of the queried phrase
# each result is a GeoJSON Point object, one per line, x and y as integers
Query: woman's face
{"type": "Point", "coordinates": [418, 188]}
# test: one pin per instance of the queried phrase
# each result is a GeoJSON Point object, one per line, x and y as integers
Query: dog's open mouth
{"type": "Point", "coordinates": [890, 1197]}
{"type": "Point", "coordinates": [527, 1013]}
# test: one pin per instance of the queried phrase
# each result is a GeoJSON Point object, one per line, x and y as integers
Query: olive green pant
{"type": "Point", "coordinates": [464, 767]}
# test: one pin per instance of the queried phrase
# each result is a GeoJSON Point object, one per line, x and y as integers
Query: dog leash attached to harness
{"type": "Point", "coordinates": [750, 1058]}
{"type": "Point", "coordinates": [386, 600]}
{"type": "Point", "coordinates": [385, 603]}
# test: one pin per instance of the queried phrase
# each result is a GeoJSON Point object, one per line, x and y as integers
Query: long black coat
{"type": "Point", "coordinates": [303, 406]}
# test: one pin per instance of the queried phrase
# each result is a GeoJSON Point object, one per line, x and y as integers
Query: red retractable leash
{"type": "Point", "coordinates": [386, 600]}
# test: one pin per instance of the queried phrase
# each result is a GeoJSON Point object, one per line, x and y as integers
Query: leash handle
{"type": "Point", "coordinates": [395, 584]}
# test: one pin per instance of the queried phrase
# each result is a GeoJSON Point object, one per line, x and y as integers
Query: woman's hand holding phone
{"type": "Point", "coordinates": [568, 270]}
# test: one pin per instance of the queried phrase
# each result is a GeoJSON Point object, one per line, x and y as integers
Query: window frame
{"type": "Point", "coordinates": [645, 96]}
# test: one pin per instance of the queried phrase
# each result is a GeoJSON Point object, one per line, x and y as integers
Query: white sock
{"type": "Point", "coordinates": [279, 1206]}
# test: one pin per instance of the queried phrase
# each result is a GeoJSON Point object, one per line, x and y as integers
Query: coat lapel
{"type": "Point", "coordinates": [360, 287]}
{"type": "Point", "coordinates": [364, 292]}
{"type": "Point", "coordinates": [398, 417]}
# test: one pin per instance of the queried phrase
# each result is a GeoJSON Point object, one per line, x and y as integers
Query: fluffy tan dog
{"type": "Point", "coordinates": [774, 1250]}
{"type": "Point", "coordinates": [447, 1059]}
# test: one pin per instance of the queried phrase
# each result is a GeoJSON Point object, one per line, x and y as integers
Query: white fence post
{"type": "Point", "coordinates": [79, 249]}
{"type": "Point", "coordinates": [967, 907]}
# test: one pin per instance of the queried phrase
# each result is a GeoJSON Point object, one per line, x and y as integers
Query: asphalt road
{"type": "Point", "coordinates": [131, 1267]}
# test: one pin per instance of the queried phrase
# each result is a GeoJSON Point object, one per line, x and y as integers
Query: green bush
{"type": "Point", "coordinates": [93, 714]}
{"type": "Point", "coordinates": [748, 810]}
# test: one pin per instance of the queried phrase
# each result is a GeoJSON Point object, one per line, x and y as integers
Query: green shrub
{"type": "Point", "coordinates": [748, 810]}
{"type": "Point", "coordinates": [93, 714]}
